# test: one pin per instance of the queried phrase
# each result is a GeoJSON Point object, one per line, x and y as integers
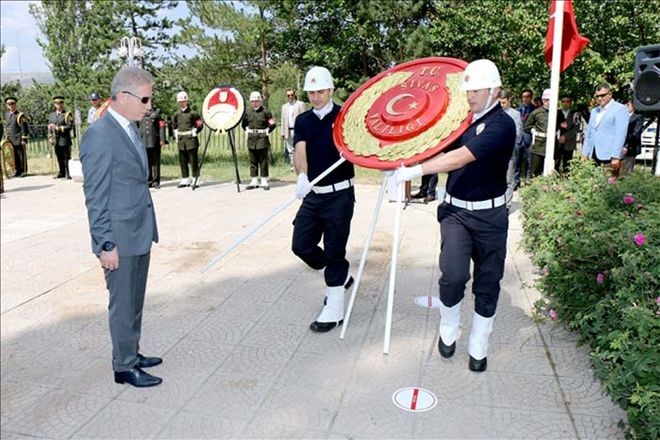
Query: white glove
{"type": "Point", "coordinates": [404, 174]}
{"type": "Point", "coordinates": [303, 186]}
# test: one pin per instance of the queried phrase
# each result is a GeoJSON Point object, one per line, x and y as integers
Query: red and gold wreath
{"type": "Point", "coordinates": [404, 115]}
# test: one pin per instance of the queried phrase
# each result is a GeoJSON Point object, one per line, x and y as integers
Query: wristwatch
{"type": "Point", "coordinates": [108, 246]}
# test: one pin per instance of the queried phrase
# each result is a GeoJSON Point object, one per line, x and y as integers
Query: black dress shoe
{"type": "Point", "coordinates": [146, 362]}
{"type": "Point", "coordinates": [419, 195]}
{"type": "Point", "coordinates": [322, 327]}
{"type": "Point", "coordinates": [137, 377]}
{"type": "Point", "coordinates": [349, 283]}
{"type": "Point", "coordinates": [446, 351]}
{"type": "Point", "coordinates": [478, 365]}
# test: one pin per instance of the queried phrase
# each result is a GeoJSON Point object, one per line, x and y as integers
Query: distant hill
{"type": "Point", "coordinates": [28, 78]}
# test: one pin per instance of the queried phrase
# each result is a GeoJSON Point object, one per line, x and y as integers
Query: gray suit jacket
{"type": "Point", "coordinates": [119, 205]}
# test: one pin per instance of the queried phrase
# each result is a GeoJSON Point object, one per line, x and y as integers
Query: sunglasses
{"type": "Point", "coordinates": [601, 95]}
{"type": "Point", "coordinates": [143, 99]}
{"type": "Point", "coordinates": [289, 95]}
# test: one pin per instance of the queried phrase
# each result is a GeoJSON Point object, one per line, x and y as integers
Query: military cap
{"type": "Point", "coordinates": [57, 99]}
{"type": "Point", "coordinates": [10, 100]}
{"type": "Point", "coordinates": [94, 96]}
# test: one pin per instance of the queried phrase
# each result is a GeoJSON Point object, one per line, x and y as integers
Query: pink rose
{"type": "Point", "coordinates": [640, 239]}
{"type": "Point", "coordinates": [600, 278]}
{"type": "Point", "coordinates": [657, 301]}
{"type": "Point", "coordinates": [611, 180]}
{"type": "Point", "coordinates": [553, 314]}
{"type": "Point", "coordinates": [546, 270]}
{"type": "Point", "coordinates": [628, 199]}
{"type": "Point", "coordinates": [545, 188]}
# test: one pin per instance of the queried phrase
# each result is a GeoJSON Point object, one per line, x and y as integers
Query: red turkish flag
{"type": "Point", "coordinates": [572, 42]}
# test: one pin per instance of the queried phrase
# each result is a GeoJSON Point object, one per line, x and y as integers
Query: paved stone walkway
{"type": "Point", "coordinates": [239, 360]}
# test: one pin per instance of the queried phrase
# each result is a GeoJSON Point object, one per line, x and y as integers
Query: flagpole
{"type": "Point", "coordinates": [549, 164]}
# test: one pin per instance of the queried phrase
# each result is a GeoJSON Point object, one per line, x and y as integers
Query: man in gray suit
{"type": "Point", "coordinates": [121, 217]}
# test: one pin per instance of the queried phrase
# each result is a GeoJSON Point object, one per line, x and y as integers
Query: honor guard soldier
{"type": "Point", "coordinates": [537, 125]}
{"type": "Point", "coordinates": [60, 125]}
{"type": "Point", "coordinates": [17, 134]}
{"type": "Point", "coordinates": [186, 125]}
{"type": "Point", "coordinates": [258, 124]}
{"type": "Point", "coordinates": [473, 215]}
{"type": "Point", "coordinates": [327, 208]}
{"type": "Point", "coordinates": [152, 128]}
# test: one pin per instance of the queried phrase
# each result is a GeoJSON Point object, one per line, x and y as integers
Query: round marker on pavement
{"type": "Point", "coordinates": [429, 302]}
{"type": "Point", "coordinates": [414, 399]}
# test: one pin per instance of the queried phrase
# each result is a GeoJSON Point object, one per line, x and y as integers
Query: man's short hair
{"type": "Point", "coordinates": [604, 85]}
{"type": "Point", "coordinates": [566, 96]}
{"type": "Point", "coordinates": [504, 94]}
{"type": "Point", "coordinates": [527, 91]}
{"type": "Point", "coordinates": [128, 78]}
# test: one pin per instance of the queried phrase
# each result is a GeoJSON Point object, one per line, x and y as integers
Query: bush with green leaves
{"type": "Point", "coordinates": [598, 242]}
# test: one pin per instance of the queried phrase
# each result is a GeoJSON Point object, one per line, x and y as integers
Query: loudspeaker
{"type": "Point", "coordinates": [646, 97]}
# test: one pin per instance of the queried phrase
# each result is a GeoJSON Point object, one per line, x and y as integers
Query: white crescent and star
{"type": "Point", "coordinates": [389, 107]}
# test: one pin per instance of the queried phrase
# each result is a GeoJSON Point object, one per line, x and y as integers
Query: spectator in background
{"type": "Point", "coordinates": [93, 112]}
{"type": "Point", "coordinates": [633, 145]}
{"type": "Point", "coordinates": [568, 129]}
{"type": "Point", "coordinates": [290, 111]}
{"type": "Point", "coordinates": [606, 133]}
{"type": "Point", "coordinates": [152, 129]}
{"type": "Point", "coordinates": [521, 155]}
{"type": "Point", "coordinates": [505, 102]}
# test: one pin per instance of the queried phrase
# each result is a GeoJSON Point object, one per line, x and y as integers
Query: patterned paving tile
{"type": "Point", "coordinates": [187, 425]}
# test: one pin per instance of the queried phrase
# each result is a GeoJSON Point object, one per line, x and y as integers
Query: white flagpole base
{"type": "Point", "coordinates": [363, 260]}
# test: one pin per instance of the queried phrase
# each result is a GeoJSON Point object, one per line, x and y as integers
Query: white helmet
{"type": "Point", "coordinates": [546, 94]}
{"type": "Point", "coordinates": [480, 74]}
{"type": "Point", "coordinates": [255, 96]}
{"type": "Point", "coordinates": [318, 78]}
{"type": "Point", "coordinates": [181, 96]}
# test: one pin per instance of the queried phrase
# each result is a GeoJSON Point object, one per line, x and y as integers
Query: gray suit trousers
{"type": "Point", "coordinates": [127, 286]}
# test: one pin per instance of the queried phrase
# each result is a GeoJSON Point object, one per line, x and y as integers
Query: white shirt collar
{"type": "Point", "coordinates": [325, 110]}
{"type": "Point", "coordinates": [484, 111]}
{"type": "Point", "coordinates": [122, 120]}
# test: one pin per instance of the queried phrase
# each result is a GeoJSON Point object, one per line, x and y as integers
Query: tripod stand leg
{"type": "Point", "coordinates": [201, 162]}
{"type": "Point", "coordinates": [363, 260]}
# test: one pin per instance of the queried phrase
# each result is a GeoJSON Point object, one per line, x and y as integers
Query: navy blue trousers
{"type": "Point", "coordinates": [326, 216]}
{"type": "Point", "coordinates": [479, 236]}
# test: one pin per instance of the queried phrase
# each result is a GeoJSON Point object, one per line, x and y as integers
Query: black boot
{"type": "Point", "coordinates": [478, 365]}
{"type": "Point", "coordinates": [446, 351]}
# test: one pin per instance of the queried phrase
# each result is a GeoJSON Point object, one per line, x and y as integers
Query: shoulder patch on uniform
{"type": "Point", "coordinates": [480, 128]}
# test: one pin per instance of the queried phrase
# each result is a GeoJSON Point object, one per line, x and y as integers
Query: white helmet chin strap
{"type": "Point", "coordinates": [488, 106]}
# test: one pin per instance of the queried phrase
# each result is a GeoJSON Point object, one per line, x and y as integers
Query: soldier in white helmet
{"type": "Point", "coordinates": [187, 124]}
{"type": "Point", "coordinates": [473, 215]}
{"type": "Point", "coordinates": [327, 208]}
{"type": "Point", "coordinates": [258, 124]}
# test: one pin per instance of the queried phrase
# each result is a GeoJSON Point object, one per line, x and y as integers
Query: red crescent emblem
{"type": "Point", "coordinates": [404, 115]}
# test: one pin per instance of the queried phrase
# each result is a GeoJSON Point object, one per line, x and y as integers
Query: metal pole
{"type": "Point", "coordinates": [395, 251]}
{"type": "Point", "coordinates": [549, 163]}
{"type": "Point", "coordinates": [266, 219]}
{"type": "Point", "coordinates": [201, 162]}
{"type": "Point", "coordinates": [363, 260]}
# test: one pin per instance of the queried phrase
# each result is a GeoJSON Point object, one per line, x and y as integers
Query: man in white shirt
{"type": "Point", "coordinates": [290, 111]}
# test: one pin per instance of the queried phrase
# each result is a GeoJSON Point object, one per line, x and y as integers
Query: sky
{"type": "Point", "coordinates": [19, 34]}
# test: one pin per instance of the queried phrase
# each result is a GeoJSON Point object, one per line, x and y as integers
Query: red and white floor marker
{"type": "Point", "coordinates": [414, 399]}
{"type": "Point", "coordinates": [429, 302]}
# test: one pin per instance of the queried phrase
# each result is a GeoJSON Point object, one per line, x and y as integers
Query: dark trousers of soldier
{"type": "Point", "coordinates": [537, 165]}
{"type": "Point", "coordinates": [522, 162]}
{"type": "Point", "coordinates": [562, 157]}
{"type": "Point", "coordinates": [189, 157]}
{"type": "Point", "coordinates": [258, 162]}
{"type": "Point", "coordinates": [472, 235]}
{"type": "Point", "coordinates": [20, 160]}
{"type": "Point", "coordinates": [153, 156]}
{"type": "Point", "coordinates": [63, 155]}
{"type": "Point", "coordinates": [326, 216]}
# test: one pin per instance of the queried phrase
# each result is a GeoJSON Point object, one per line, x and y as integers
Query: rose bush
{"type": "Point", "coordinates": [608, 230]}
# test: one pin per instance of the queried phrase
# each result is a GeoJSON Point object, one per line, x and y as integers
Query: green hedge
{"type": "Point", "coordinates": [598, 243]}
